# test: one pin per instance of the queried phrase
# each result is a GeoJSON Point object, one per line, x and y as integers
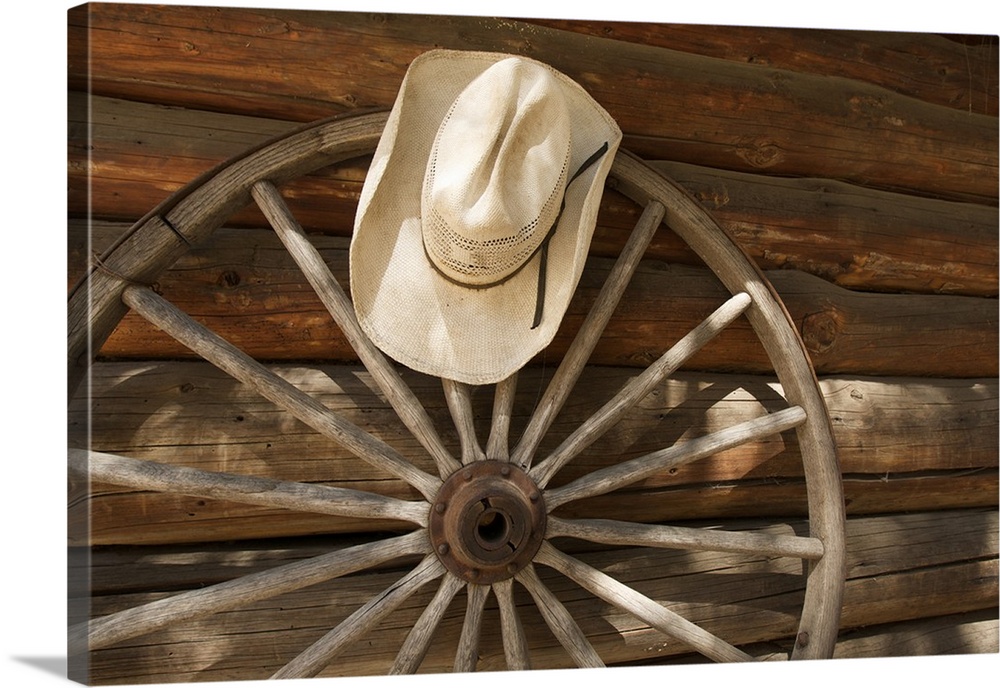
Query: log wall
{"type": "Point", "coordinates": [858, 169]}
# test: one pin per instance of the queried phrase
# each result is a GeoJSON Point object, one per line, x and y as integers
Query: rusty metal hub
{"type": "Point", "coordinates": [487, 522]}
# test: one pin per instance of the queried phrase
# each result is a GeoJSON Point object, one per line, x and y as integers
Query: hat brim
{"type": "Point", "coordinates": [408, 309]}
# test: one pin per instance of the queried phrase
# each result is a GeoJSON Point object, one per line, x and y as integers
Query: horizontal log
{"type": "Point", "coordinates": [714, 112]}
{"type": "Point", "coordinates": [168, 519]}
{"type": "Point", "coordinates": [970, 633]}
{"type": "Point", "coordinates": [897, 571]}
{"type": "Point", "coordinates": [787, 498]}
{"type": "Point", "coordinates": [956, 634]}
{"type": "Point", "coordinates": [243, 285]}
{"type": "Point", "coordinates": [903, 444]}
{"type": "Point", "coordinates": [906, 444]}
{"type": "Point", "coordinates": [854, 237]}
{"type": "Point", "coordinates": [132, 155]}
{"type": "Point", "coordinates": [120, 570]}
{"type": "Point", "coordinates": [934, 68]}
{"type": "Point", "coordinates": [297, 496]}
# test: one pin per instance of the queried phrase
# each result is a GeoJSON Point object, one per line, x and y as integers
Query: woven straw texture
{"type": "Point", "coordinates": [405, 303]}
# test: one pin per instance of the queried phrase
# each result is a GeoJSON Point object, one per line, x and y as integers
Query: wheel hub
{"type": "Point", "coordinates": [487, 522]}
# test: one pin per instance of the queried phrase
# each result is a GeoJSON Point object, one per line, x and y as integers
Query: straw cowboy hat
{"type": "Point", "coordinates": [477, 213]}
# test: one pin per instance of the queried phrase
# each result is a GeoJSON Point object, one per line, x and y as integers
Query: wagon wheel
{"type": "Point", "coordinates": [485, 519]}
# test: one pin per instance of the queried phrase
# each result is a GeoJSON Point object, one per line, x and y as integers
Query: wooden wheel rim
{"type": "Point", "coordinates": [192, 214]}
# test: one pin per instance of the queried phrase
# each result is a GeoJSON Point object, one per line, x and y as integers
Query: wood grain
{"type": "Point", "coordinates": [720, 113]}
{"type": "Point", "coordinates": [251, 276]}
{"type": "Point", "coordinates": [900, 567]}
{"type": "Point", "coordinates": [941, 69]}
{"type": "Point", "coordinates": [900, 441]}
{"type": "Point", "coordinates": [859, 168]}
{"type": "Point", "coordinates": [134, 154]}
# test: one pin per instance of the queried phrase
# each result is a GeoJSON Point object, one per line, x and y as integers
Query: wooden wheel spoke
{"type": "Point", "coordinates": [639, 387]}
{"type": "Point", "coordinates": [192, 214]}
{"type": "Point", "coordinates": [414, 648]}
{"type": "Point", "coordinates": [317, 656]}
{"type": "Point", "coordinates": [242, 367]}
{"type": "Point", "coordinates": [610, 532]}
{"type": "Point", "coordinates": [560, 621]}
{"type": "Point", "coordinates": [315, 269]}
{"type": "Point", "coordinates": [468, 644]}
{"type": "Point", "coordinates": [281, 494]}
{"type": "Point", "coordinates": [232, 594]}
{"type": "Point", "coordinates": [503, 403]}
{"type": "Point", "coordinates": [515, 645]}
{"type": "Point", "coordinates": [645, 609]}
{"type": "Point", "coordinates": [459, 398]}
{"type": "Point", "coordinates": [590, 332]}
{"type": "Point", "coordinates": [787, 353]}
{"type": "Point", "coordinates": [613, 477]}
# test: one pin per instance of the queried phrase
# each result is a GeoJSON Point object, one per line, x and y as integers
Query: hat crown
{"type": "Point", "coordinates": [408, 301]}
{"type": "Point", "coordinates": [496, 174]}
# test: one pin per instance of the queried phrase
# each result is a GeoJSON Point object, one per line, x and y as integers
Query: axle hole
{"type": "Point", "coordinates": [492, 528]}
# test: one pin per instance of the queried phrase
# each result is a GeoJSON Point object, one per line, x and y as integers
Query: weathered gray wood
{"type": "Point", "coordinates": [820, 329]}
{"type": "Point", "coordinates": [614, 477]}
{"type": "Point", "coordinates": [459, 398]}
{"type": "Point", "coordinates": [787, 498]}
{"type": "Point", "coordinates": [966, 633]}
{"type": "Point", "coordinates": [789, 356]}
{"type": "Point", "coordinates": [325, 285]}
{"type": "Point", "coordinates": [899, 565]}
{"type": "Point", "coordinates": [313, 660]}
{"type": "Point", "coordinates": [418, 640]}
{"type": "Point", "coordinates": [187, 218]}
{"type": "Point", "coordinates": [586, 338]}
{"type": "Point", "coordinates": [467, 653]}
{"type": "Point", "coordinates": [971, 633]}
{"type": "Point", "coordinates": [560, 621]}
{"type": "Point", "coordinates": [880, 545]}
{"type": "Point", "coordinates": [317, 499]}
{"type": "Point", "coordinates": [900, 441]}
{"type": "Point", "coordinates": [95, 307]}
{"type": "Point", "coordinates": [232, 594]}
{"type": "Point", "coordinates": [676, 537]}
{"type": "Point", "coordinates": [632, 601]}
{"type": "Point", "coordinates": [240, 366]}
{"type": "Point", "coordinates": [515, 645]}
{"type": "Point", "coordinates": [638, 388]}
{"type": "Point", "coordinates": [924, 593]}
{"type": "Point", "coordinates": [497, 446]}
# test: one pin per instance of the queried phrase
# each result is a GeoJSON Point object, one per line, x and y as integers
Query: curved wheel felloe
{"type": "Point", "coordinates": [484, 521]}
